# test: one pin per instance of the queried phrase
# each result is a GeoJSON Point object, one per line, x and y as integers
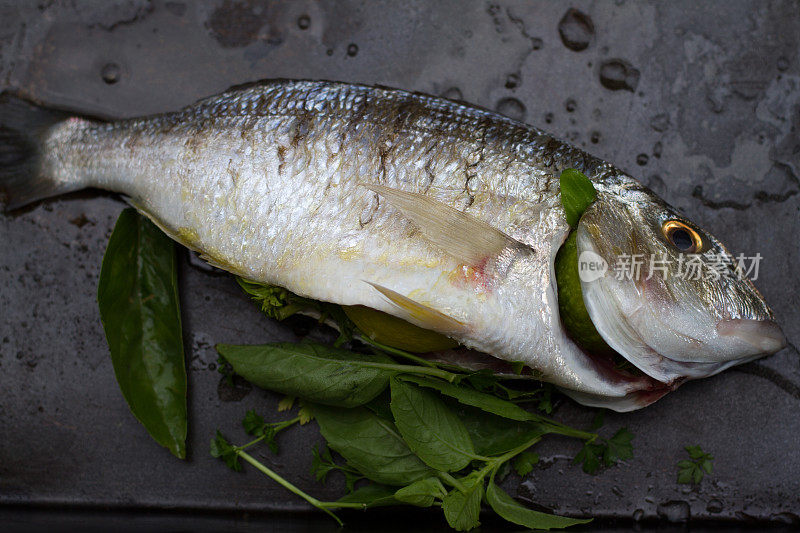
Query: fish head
{"type": "Point", "coordinates": [666, 294]}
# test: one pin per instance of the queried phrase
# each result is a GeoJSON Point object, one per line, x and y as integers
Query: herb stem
{"type": "Point", "coordinates": [396, 351]}
{"type": "Point", "coordinates": [412, 369]}
{"type": "Point", "coordinates": [450, 480]}
{"type": "Point", "coordinates": [561, 429]}
{"type": "Point", "coordinates": [287, 485]}
{"type": "Point", "coordinates": [277, 426]}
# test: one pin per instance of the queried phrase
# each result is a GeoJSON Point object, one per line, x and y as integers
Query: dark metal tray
{"type": "Point", "coordinates": [707, 116]}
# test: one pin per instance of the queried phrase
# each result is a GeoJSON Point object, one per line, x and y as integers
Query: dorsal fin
{"type": "Point", "coordinates": [463, 236]}
{"type": "Point", "coordinates": [422, 315]}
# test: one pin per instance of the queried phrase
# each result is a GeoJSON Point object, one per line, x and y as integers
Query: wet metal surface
{"type": "Point", "coordinates": [701, 101]}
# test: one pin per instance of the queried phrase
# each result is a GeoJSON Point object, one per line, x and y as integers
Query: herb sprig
{"type": "Point", "coordinates": [418, 434]}
{"type": "Point", "coordinates": [694, 469]}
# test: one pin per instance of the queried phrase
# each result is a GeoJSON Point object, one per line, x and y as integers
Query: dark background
{"type": "Point", "coordinates": [704, 110]}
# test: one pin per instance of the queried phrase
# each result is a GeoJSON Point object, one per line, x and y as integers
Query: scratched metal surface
{"type": "Point", "coordinates": [704, 109]}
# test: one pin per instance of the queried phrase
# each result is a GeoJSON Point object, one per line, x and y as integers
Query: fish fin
{"type": "Point", "coordinates": [421, 315]}
{"type": "Point", "coordinates": [463, 236]}
{"type": "Point", "coordinates": [213, 262]}
{"type": "Point", "coordinates": [22, 129]}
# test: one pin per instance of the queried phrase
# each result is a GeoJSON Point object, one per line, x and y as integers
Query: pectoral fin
{"type": "Point", "coordinates": [422, 315]}
{"type": "Point", "coordinates": [463, 236]}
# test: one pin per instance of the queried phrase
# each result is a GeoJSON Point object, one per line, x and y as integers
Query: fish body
{"type": "Point", "coordinates": [443, 214]}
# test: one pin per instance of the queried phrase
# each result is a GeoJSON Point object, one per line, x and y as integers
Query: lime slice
{"type": "Point", "coordinates": [573, 312]}
{"type": "Point", "coordinates": [396, 332]}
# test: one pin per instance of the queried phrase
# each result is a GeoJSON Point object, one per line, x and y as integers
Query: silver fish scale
{"type": "Point", "coordinates": [267, 182]}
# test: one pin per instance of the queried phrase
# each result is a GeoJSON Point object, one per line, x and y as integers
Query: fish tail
{"type": "Point", "coordinates": [23, 126]}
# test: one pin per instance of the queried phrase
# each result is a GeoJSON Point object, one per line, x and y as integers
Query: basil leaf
{"type": "Point", "coordinates": [494, 435]}
{"type": "Point", "coordinates": [508, 508]}
{"type": "Point", "coordinates": [370, 444]}
{"type": "Point", "coordinates": [421, 493]}
{"type": "Point", "coordinates": [371, 496]}
{"type": "Point", "coordinates": [311, 371]}
{"type": "Point", "coordinates": [430, 428]}
{"type": "Point", "coordinates": [139, 307]}
{"type": "Point", "coordinates": [468, 396]}
{"type": "Point", "coordinates": [461, 510]}
{"type": "Point", "coordinates": [577, 193]}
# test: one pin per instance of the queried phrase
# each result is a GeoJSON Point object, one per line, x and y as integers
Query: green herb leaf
{"type": "Point", "coordinates": [322, 464]}
{"type": "Point", "coordinates": [430, 428]}
{"type": "Point", "coordinates": [494, 435]}
{"type": "Point", "coordinates": [371, 496]}
{"type": "Point", "coordinates": [421, 493]}
{"type": "Point", "coordinates": [590, 456]}
{"type": "Point", "coordinates": [139, 307]}
{"type": "Point", "coordinates": [462, 509]}
{"type": "Point", "coordinates": [577, 193]}
{"type": "Point", "coordinates": [511, 510]}
{"type": "Point", "coordinates": [222, 450]}
{"type": "Point", "coordinates": [370, 444]}
{"type": "Point", "coordinates": [524, 463]}
{"type": "Point", "coordinates": [600, 451]}
{"type": "Point", "coordinates": [693, 471]}
{"type": "Point", "coordinates": [545, 403]}
{"type": "Point", "coordinates": [468, 396]}
{"type": "Point", "coordinates": [279, 303]}
{"type": "Point", "coordinates": [253, 423]}
{"type": "Point", "coordinates": [619, 447]}
{"type": "Point", "coordinates": [286, 403]}
{"type": "Point", "coordinates": [315, 372]}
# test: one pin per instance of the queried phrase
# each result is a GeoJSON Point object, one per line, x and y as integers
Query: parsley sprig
{"type": "Point", "coordinates": [694, 469]}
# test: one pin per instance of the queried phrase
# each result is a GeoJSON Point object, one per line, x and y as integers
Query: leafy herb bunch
{"type": "Point", "coordinates": [420, 434]}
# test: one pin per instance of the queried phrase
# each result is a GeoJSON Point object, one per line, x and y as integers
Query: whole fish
{"type": "Point", "coordinates": [446, 215]}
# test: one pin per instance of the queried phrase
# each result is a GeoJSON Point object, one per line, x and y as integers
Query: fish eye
{"type": "Point", "coordinates": [682, 237]}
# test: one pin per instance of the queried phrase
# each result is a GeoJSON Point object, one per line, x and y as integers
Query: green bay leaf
{"type": "Point", "coordinates": [140, 310]}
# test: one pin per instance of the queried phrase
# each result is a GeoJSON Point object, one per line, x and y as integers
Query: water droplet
{"type": "Point", "coordinates": [616, 74]}
{"type": "Point", "coordinates": [304, 22]}
{"type": "Point", "coordinates": [783, 64]}
{"type": "Point", "coordinates": [714, 506]}
{"type": "Point", "coordinates": [536, 43]}
{"type": "Point", "coordinates": [511, 107]}
{"type": "Point", "coordinates": [657, 150]}
{"type": "Point", "coordinates": [111, 73]}
{"type": "Point", "coordinates": [453, 93]}
{"type": "Point", "coordinates": [352, 49]}
{"type": "Point", "coordinates": [642, 159]}
{"type": "Point", "coordinates": [512, 81]}
{"type": "Point", "coordinates": [576, 30]}
{"type": "Point", "coordinates": [660, 122]}
{"type": "Point", "coordinates": [785, 518]}
{"type": "Point", "coordinates": [548, 118]}
{"type": "Point", "coordinates": [594, 137]}
{"type": "Point", "coordinates": [674, 511]}
{"type": "Point", "coordinates": [638, 514]}
{"type": "Point", "coordinates": [570, 105]}
{"type": "Point", "coordinates": [329, 51]}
